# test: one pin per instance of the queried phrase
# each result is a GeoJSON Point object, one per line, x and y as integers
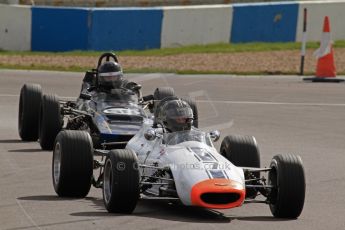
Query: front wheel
{"type": "Point", "coordinates": [243, 151]}
{"type": "Point", "coordinates": [121, 181]}
{"type": "Point", "coordinates": [72, 165]}
{"type": "Point", "coordinates": [288, 181]}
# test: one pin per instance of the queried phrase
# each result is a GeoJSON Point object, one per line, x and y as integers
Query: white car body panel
{"type": "Point", "coordinates": [190, 162]}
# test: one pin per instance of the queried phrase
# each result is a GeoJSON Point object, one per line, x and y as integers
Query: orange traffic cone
{"type": "Point", "coordinates": [325, 68]}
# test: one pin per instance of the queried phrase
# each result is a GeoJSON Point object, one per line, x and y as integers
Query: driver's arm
{"type": "Point", "coordinates": [133, 86]}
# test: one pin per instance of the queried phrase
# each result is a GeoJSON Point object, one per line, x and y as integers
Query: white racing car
{"type": "Point", "coordinates": [168, 159]}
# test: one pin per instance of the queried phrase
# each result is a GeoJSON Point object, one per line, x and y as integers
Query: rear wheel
{"type": "Point", "coordinates": [72, 165]}
{"type": "Point", "coordinates": [29, 109]}
{"type": "Point", "coordinates": [288, 179]}
{"type": "Point", "coordinates": [163, 92]}
{"type": "Point", "coordinates": [242, 151]}
{"type": "Point", "coordinates": [160, 93]}
{"type": "Point", "coordinates": [121, 181]}
{"type": "Point", "coordinates": [50, 121]}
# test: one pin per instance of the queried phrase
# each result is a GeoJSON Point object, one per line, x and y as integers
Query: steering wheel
{"type": "Point", "coordinates": [107, 57]}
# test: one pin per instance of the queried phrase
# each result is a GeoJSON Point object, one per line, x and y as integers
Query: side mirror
{"type": "Point", "coordinates": [150, 134]}
{"type": "Point", "coordinates": [136, 87]}
{"type": "Point", "coordinates": [215, 135]}
{"type": "Point", "coordinates": [85, 96]}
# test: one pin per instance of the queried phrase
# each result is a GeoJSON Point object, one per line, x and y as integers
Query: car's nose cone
{"type": "Point", "coordinates": [218, 194]}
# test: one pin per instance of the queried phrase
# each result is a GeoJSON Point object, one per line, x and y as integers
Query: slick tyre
{"type": "Point", "coordinates": [288, 179]}
{"type": "Point", "coordinates": [161, 93]}
{"type": "Point", "coordinates": [192, 104]}
{"type": "Point", "coordinates": [72, 165]}
{"type": "Point", "coordinates": [29, 110]}
{"type": "Point", "coordinates": [121, 181]}
{"type": "Point", "coordinates": [242, 151]}
{"type": "Point", "coordinates": [50, 121]}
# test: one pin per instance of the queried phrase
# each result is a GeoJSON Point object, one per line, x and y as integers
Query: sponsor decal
{"type": "Point", "coordinates": [217, 174]}
{"type": "Point", "coordinates": [203, 155]}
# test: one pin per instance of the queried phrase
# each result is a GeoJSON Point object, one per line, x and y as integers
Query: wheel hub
{"type": "Point", "coordinates": [57, 163]}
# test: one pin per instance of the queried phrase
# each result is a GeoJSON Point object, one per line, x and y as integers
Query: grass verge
{"type": "Point", "coordinates": [212, 48]}
{"type": "Point", "coordinates": [148, 70]}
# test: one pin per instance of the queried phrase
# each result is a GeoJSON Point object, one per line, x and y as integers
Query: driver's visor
{"type": "Point", "coordinates": [179, 113]}
{"type": "Point", "coordinates": [110, 74]}
{"type": "Point", "coordinates": [183, 120]}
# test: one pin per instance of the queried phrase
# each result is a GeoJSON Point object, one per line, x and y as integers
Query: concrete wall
{"type": "Point", "coordinates": [140, 3]}
{"type": "Point", "coordinates": [196, 25]}
{"type": "Point", "coordinates": [63, 29]}
{"type": "Point", "coordinates": [125, 28]}
{"type": "Point", "coordinates": [60, 29]}
{"type": "Point", "coordinates": [274, 22]}
{"type": "Point", "coordinates": [316, 13]}
{"type": "Point", "coordinates": [15, 28]}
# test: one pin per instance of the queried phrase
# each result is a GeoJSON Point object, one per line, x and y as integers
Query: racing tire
{"type": "Point", "coordinates": [287, 177]}
{"type": "Point", "coordinates": [159, 94]}
{"type": "Point", "coordinates": [121, 181]}
{"type": "Point", "coordinates": [242, 151]}
{"type": "Point", "coordinates": [29, 110]}
{"type": "Point", "coordinates": [192, 104]}
{"type": "Point", "coordinates": [50, 121]}
{"type": "Point", "coordinates": [72, 166]}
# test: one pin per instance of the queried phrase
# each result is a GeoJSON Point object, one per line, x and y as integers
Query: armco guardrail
{"type": "Point", "coordinates": [65, 28]}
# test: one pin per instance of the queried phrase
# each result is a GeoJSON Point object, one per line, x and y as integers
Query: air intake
{"type": "Point", "coordinates": [220, 198]}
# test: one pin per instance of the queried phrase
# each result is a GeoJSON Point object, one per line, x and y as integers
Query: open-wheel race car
{"type": "Point", "coordinates": [163, 163]}
{"type": "Point", "coordinates": [111, 115]}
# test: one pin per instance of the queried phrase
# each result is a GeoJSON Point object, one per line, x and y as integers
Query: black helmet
{"type": "Point", "coordinates": [109, 75]}
{"type": "Point", "coordinates": [176, 115]}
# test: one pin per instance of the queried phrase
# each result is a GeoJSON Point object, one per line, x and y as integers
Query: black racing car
{"type": "Point", "coordinates": [111, 116]}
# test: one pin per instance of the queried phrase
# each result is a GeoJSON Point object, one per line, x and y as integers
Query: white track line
{"type": "Point", "coordinates": [27, 215]}
{"type": "Point", "coordinates": [9, 95]}
{"type": "Point", "coordinates": [270, 103]}
{"type": "Point", "coordinates": [17, 95]}
{"type": "Point", "coordinates": [233, 102]}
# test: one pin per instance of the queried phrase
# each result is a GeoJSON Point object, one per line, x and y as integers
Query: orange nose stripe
{"type": "Point", "coordinates": [205, 193]}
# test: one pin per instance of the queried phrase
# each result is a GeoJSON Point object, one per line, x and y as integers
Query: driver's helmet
{"type": "Point", "coordinates": [176, 115]}
{"type": "Point", "coordinates": [109, 75]}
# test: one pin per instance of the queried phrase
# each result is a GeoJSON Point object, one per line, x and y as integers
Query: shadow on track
{"type": "Point", "coordinates": [261, 218]}
{"type": "Point", "coordinates": [158, 210]}
{"type": "Point", "coordinates": [11, 141]}
{"type": "Point", "coordinates": [165, 211]}
{"type": "Point", "coordinates": [175, 212]}
{"type": "Point", "coordinates": [151, 209]}
{"type": "Point", "coordinates": [17, 141]}
{"type": "Point", "coordinates": [46, 198]}
{"type": "Point", "coordinates": [24, 150]}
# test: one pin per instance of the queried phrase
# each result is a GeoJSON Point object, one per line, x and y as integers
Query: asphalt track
{"type": "Point", "coordinates": [285, 115]}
